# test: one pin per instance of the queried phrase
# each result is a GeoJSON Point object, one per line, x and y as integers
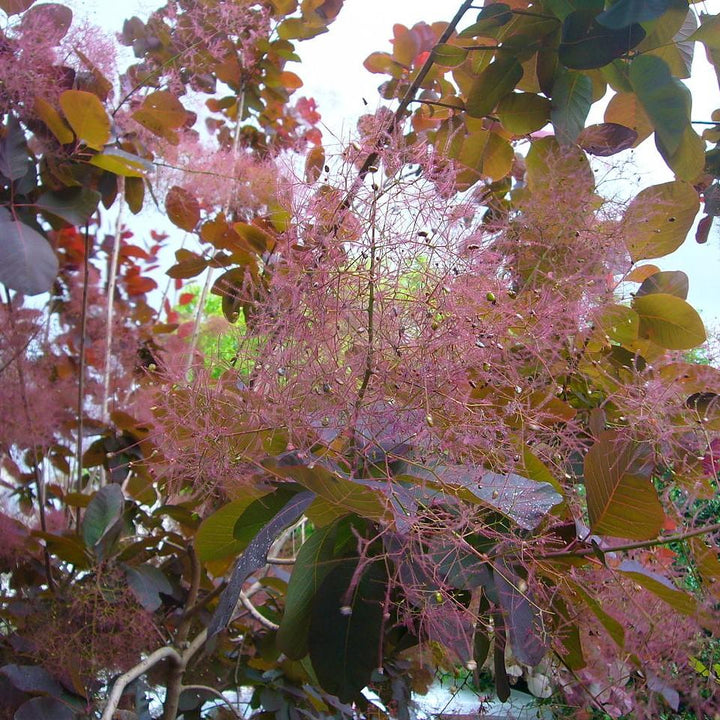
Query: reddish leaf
{"type": "Point", "coordinates": [606, 139]}
{"type": "Point", "coordinates": [703, 229]}
{"type": "Point", "coordinates": [186, 298]}
{"type": "Point", "coordinates": [182, 208]}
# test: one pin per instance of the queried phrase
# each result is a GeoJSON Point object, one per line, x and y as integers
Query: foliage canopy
{"type": "Point", "coordinates": [443, 432]}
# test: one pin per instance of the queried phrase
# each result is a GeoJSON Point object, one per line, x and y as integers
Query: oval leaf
{"type": "Point", "coordinates": [672, 282]}
{"type": "Point", "coordinates": [665, 99]}
{"type": "Point", "coordinates": [87, 117]}
{"type": "Point", "coordinates": [44, 708]}
{"type": "Point", "coordinates": [182, 208]}
{"type": "Point", "coordinates": [449, 55]}
{"type": "Point", "coordinates": [659, 219]}
{"type": "Point", "coordinates": [621, 499]}
{"type": "Point", "coordinates": [74, 205]}
{"type": "Point", "coordinates": [491, 85]}
{"type": "Point", "coordinates": [102, 512]}
{"type": "Point", "coordinates": [345, 629]}
{"type": "Point", "coordinates": [146, 583]}
{"type": "Point", "coordinates": [27, 262]}
{"type": "Point", "coordinates": [669, 321]}
{"type": "Point", "coordinates": [523, 113]}
{"type": "Point", "coordinates": [571, 100]}
{"type": "Point", "coordinates": [606, 139]}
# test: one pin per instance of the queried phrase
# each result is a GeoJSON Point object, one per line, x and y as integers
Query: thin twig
{"type": "Point", "coordinates": [247, 604]}
{"type": "Point", "coordinates": [216, 693]}
{"type": "Point", "coordinates": [81, 368]}
{"type": "Point", "coordinates": [582, 552]}
{"type": "Point", "coordinates": [109, 317]}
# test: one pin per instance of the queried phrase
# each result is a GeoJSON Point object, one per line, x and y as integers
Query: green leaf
{"type": "Point", "coordinates": [571, 100]}
{"type": "Point", "coordinates": [660, 586]}
{"type": "Point", "coordinates": [586, 44]}
{"type": "Point", "coordinates": [659, 218]}
{"type": "Point", "coordinates": [316, 558]}
{"type": "Point", "coordinates": [215, 537]}
{"type": "Point", "coordinates": [27, 262]}
{"type": "Point", "coordinates": [669, 321]}
{"type": "Point", "coordinates": [491, 85]}
{"type": "Point", "coordinates": [260, 512]}
{"type": "Point", "coordinates": [14, 159]}
{"type": "Point", "coordinates": [621, 499]}
{"type": "Point", "coordinates": [87, 117]}
{"type": "Point", "coordinates": [344, 494]}
{"type": "Point", "coordinates": [345, 627]}
{"type": "Point", "coordinates": [489, 19]}
{"type": "Point", "coordinates": [626, 12]}
{"type": "Point", "coordinates": [74, 205]}
{"type": "Point", "coordinates": [523, 113]}
{"type": "Point", "coordinates": [613, 627]}
{"type": "Point", "coordinates": [146, 583]}
{"type": "Point", "coordinates": [619, 322]}
{"type": "Point", "coordinates": [665, 99]}
{"type": "Point", "coordinates": [688, 160]}
{"type": "Point", "coordinates": [255, 557]}
{"type": "Point", "coordinates": [672, 282]}
{"type": "Point", "coordinates": [449, 55]}
{"type": "Point", "coordinates": [102, 512]}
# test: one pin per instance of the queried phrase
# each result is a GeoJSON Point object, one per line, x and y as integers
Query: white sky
{"type": "Point", "coordinates": [334, 75]}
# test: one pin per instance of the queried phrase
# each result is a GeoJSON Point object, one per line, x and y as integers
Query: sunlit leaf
{"type": "Point", "coordinates": [215, 537]}
{"type": "Point", "coordinates": [119, 162]}
{"type": "Point", "coordinates": [659, 219]}
{"type": "Point", "coordinates": [52, 118]}
{"type": "Point", "coordinates": [449, 55]}
{"type": "Point", "coordinates": [87, 117]}
{"type": "Point", "coordinates": [669, 321]}
{"type": "Point", "coordinates": [341, 492]}
{"type": "Point", "coordinates": [162, 113]}
{"type": "Point", "coordinates": [27, 262]}
{"type": "Point", "coordinates": [688, 159]}
{"type": "Point", "coordinates": [622, 501]}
